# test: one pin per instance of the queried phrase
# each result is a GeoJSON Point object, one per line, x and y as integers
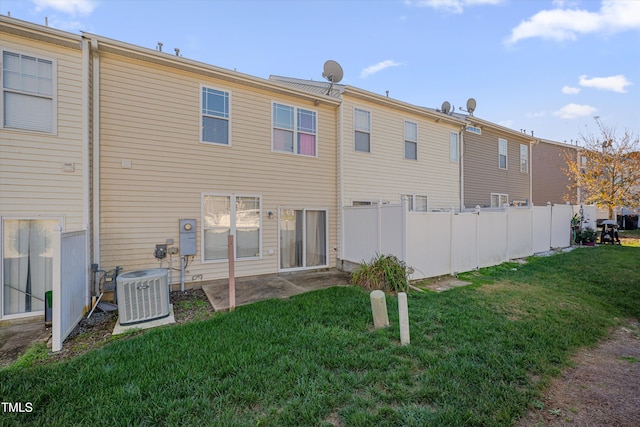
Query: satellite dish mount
{"type": "Point", "coordinates": [332, 72]}
{"type": "Point", "coordinates": [471, 106]}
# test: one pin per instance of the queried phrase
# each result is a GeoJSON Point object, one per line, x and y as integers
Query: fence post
{"type": "Point", "coordinates": [232, 274]}
{"type": "Point", "coordinates": [379, 237]}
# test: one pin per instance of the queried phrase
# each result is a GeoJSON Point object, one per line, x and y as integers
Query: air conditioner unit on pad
{"type": "Point", "coordinates": [142, 295]}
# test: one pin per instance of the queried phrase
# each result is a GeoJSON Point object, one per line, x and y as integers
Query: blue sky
{"type": "Point", "coordinates": [549, 66]}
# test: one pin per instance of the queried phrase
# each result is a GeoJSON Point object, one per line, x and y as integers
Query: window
{"type": "Point", "coordinates": [524, 158]}
{"type": "Point", "coordinates": [502, 153]}
{"type": "Point", "coordinates": [453, 147]}
{"type": "Point", "coordinates": [499, 200]}
{"type": "Point", "coordinates": [474, 129]}
{"type": "Point", "coordinates": [410, 140]}
{"type": "Point", "coordinates": [294, 125]}
{"type": "Point", "coordinates": [215, 116]}
{"type": "Point", "coordinates": [362, 130]}
{"type": "Point", "coordinates": [229, 214]}
{"type": "Point", "coordinates": [416, 203]}
{"type": "Point", "coordinates": [28, 85]}
{"type": "Point", "coordinates": [303, 238]}
{"type": "Point", "coordinates": [360, 203]}
{"type": "Point", "coordinates": [27, 259]}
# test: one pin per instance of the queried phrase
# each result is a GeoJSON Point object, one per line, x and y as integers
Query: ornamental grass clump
{"type": "Point", "coordinates": [384, 272]}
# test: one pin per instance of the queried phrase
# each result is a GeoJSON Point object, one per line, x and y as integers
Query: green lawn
{"type": "Point", "coordinates": [479, 355]}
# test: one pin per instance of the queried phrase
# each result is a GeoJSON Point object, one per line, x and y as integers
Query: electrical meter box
{"type": "Point", "coordinates": [187, 237]}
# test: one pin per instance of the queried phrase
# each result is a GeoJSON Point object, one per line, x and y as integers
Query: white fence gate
{"type": "Point", "coordinates": [70, 283]}
{"type": "Point", "coordinates": [439, 243]}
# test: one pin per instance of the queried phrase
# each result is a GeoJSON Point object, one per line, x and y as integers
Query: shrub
{"type": "Point", "coordinates": [384, 272]}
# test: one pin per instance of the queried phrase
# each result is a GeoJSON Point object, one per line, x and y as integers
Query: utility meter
{"type": "Point", "coordinates": [187, 237]}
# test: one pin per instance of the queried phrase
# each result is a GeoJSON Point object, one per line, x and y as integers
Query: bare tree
{"type": "Point", "coordinates": [607, 170]}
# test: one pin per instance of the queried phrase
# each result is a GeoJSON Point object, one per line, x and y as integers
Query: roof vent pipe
{"type": "Point", "coordinates": [159, 47]}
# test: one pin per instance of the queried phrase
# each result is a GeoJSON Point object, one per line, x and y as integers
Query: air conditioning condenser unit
{"type": "Point", "coordinates": [143, 295]}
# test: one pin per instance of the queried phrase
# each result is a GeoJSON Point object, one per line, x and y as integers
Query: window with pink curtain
{"type": "Point", "coordinates": [306, 144]}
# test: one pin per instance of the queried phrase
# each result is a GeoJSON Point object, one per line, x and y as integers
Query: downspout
{"type": "Point", "coordinates": [531, 145]}
{"type": "Point", "coordinates": [86, 141]}
{"type": "Point", "coordinates": [341, 180]}
{"type": "Point", "coordinates": [461, 166]}
{"type": "Point", "coordinates": [96, 150]}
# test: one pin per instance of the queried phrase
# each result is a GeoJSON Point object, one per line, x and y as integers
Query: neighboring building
{"type": "Point", "coordinates": [179, 139]}
{"type": "Point", "coordinates": [550, 180]}
{"type": "Point", "coordinates": [497, 165]}
{"type": "Point", "coordinates": [44, 152]}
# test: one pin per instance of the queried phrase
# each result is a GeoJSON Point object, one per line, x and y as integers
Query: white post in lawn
{"type": "Point", "coordinates": [379, 309]}
{"type": "Point", "coordinates": [403, 311]}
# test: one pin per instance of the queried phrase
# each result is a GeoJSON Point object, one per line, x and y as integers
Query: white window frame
{"type": "Point", "coordinates": [232, 226]}
{"type": "Point", "coordinates": [361, 203]}
{"type": "Point", "coordinates": [304, 246]}
{"type": "Point", "coordinates": [410, 139]}
{"type": "Point", "coordinates": [524, 158]}
{"type": "Point", "coordinates": [502, 152]}
{"type": "Point", "coordinates": [503, 199]}
{"type": "Point", "coordinates": [412, 202]}
{"type": "Point", "coordinates": [61, 223]}
{"type": "Point", "coordinates": [361, 129]}
{"type": "Point", "coordinates": [296, 129]}
{"type": "Point", "coordinates": [53, 97]}
{"type": "Point", "coordinates": [454, 147]}
{"type": "Point", "coordinates": [226, 116]}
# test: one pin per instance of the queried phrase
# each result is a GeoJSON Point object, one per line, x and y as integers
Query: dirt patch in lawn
{"type": "Point", "coordinates": [601, 389]}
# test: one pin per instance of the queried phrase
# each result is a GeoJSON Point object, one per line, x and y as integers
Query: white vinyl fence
{"type": "Point", "coordinates": [439, 243]}
{"type": "Point", "coordinates": [70, 283]}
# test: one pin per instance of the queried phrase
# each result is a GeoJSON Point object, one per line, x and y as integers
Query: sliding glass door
{"type": "Point", "coordinates": [303, 238]}
{"type": "Point", "coordinates": [27, 265]}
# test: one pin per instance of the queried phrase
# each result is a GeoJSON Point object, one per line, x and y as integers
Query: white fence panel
{"type": "Point", "coordinates": [492, 238]}
{"type": "Point", "coordinates": [590, 214]}
{"type": "Point", "coordinates": [393, 230]}
{"type": "Point", "coordinates": [464, 254]}
{"type": "Point", "coordinates": [70, 285]}
{"type": "Point", "coordinates": [429, 243]}
{"type": "Point", "coordinates": [438, 243]}
{"type": "Point", "coordinates": [361, 233]}
{"type": "Point", "coordinates": [541, 219]}
{"type": "Point", "coordinates": [519, 232]}
{"type": "Point", "coordinates": [561, 225]}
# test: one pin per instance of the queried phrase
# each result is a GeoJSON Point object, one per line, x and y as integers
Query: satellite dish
{"type": "Point", "coordinates": [446, 107]}
{"type": "Point", "coordinates": [332, 71]}
{"type": "Point", "coordinates": [471, 105]}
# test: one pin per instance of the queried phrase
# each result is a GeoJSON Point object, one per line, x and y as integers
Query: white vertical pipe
{"type": "Point", "coordinates": [86, 141]}
{"type": "Point", "coordinates": [96, 150]}
{"type": "Point", "coordinates": [403, 311]}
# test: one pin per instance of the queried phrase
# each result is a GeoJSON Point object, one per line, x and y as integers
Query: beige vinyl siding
{"type": "Point", "coordinates": [549, 180]}
{"type": "Point", "coordinates": [150, 115]}
{"type": "Point", "coordinates": [482, 176]}
{"type": "Point", "coordinates": [32, 181]}
{"type": "Point", "coordinates": [384, 173]}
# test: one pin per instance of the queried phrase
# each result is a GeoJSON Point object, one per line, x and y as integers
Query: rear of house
{"type": "Point", "coordinates": [43, 158]}
{"type": "Point", "coordinates": [181, 142]}
{"type": "Point", "coordinates": [391, 149]}
{"type": "Point", "coordinates": [497, 169]}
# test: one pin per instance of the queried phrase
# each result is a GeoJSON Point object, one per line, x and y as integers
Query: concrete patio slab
{"type": "Point", "coordinates": [259, 288]}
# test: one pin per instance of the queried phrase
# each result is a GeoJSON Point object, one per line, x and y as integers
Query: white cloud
{"type": "Point", "coordinates": [566, 24]}
{"type": "Point", "coordinates": [378, 67]}
{"type": "Point", "coordinates": [72, 7]}
{"type": "Point", "coordinates": [613, 83]}
{"type": "Point", "coordinates": [573, 111]}
{"type": "Point", "coordinates": [451, 6]}
{"type": "Point", "coordinates": [568, 90]}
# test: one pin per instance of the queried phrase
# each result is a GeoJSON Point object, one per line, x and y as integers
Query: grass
{"type": "Point", "coordinates": [479, 355]}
